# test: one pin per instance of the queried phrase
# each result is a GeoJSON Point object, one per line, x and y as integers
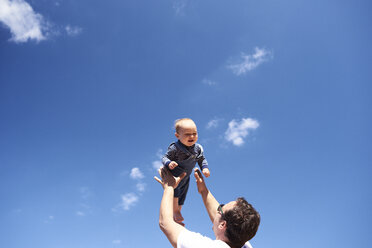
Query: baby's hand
{"type": "Point", "coordinates": [206, 172]}
{"type": "Point", "coordinates": [172, 165]}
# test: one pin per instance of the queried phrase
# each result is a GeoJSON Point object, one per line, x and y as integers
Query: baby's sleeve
{"type": "Point", "coordinates": [170, 155]}
{"type": "Point", "coordinates": [202, 161]}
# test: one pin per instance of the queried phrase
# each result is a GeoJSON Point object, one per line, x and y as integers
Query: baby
{"type": "Point", "coordinates": [182, 157]}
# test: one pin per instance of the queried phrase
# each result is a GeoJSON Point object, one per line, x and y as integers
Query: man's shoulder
{"type": "Point", "coordinates": [189, 239]}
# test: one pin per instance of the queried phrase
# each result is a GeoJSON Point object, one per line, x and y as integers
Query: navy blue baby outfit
{"type": "Point", "coordinates": [186, 158]}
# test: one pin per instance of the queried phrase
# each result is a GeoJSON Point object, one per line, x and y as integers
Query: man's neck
{"type": "Point", "coordinates": [223, 238]}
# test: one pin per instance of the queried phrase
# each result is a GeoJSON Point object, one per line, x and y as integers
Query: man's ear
{"type": "Point", "coordinates": [222, 224]}
{"type": "Point", "coordinates": [177, 135]}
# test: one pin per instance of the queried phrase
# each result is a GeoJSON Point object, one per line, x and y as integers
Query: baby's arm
{"type": "Point", "coordinates": [203, 164]}
{"type": "Point", "coordinates": [206, 172]}
{"type": "Point", "coordinates": [172, 165]}
{"type": "Point", "coordinates": [169, 157]}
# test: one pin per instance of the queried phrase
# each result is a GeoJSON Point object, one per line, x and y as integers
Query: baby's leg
{"type": "Point", "coordinates": [177, 216]}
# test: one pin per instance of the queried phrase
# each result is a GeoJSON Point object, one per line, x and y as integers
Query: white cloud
{"type": "Point", "coordinates": [179, 6]}
{"type": "Point", "coordinates": [157, 164]}
{"type": "Point", "coordinates": [80, 213]}
{"type": "Point", "coordinates": [237, 131]}
{"type": "Point", "coordinates": [72, 31]}
{"type": "Point", "coordinates": [84, 210]}
{"type": "Point", "coordinates": [212, 124]}
{"type": "Point", "coordinates": [84, 206]}
{"type": "Point", "coordinates": [128, 200]}
{"type": "Point", "coordinates": [116, 242]}
{"type": "Point", "coordinates": [85, 193]}
{"type": "Point", "coordinates": [159, 153]}
{"type": "Point", "coordinates": [208, 82]}
{"type": "Point", "coordinates": [141, 187]}
{"type": "Point", "coordinates": [23, 22]}
{"type": "Point", "coordinates": [251, 61]}
{"type": "Point", "coordinates": [17, 211]}
{"type": "Point", "coordinates": [49, 219]}
{"type": "Point", "coordinates": [136, 173]}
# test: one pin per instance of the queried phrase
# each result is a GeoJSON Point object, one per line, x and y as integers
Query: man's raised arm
{"type": "Point", "coordinates": [210, 203]}
{"type": "Point", "coordinates": [170, 228]}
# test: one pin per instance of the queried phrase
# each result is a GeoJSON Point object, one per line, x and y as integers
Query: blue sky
{"type": "Point", "coordinates": [89, 90]}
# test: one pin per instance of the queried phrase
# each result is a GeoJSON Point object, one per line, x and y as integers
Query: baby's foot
{"type": "Point", "coordinates": [177, 216]}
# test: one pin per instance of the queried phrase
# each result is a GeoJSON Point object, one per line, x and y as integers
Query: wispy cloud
{"type": "Point", "coordinates": [80, 213]}
{"type": "Point", "coordinates": [72, 31]}
{"type": "Point", "coordinates": [85, 192]}
{"type": "Point", "coordinates": [116, 242]}
{"type": "Point", "coordinates": [128, 200]}
{"type": "Point", "coordinates": [84, 210]}
{"type": "Point", "coordinates": [50, 217]}
{"type": "Point", "coordinates": [208, 82]}
{"type": "Point", "coordinates": [238, 130]}
{"type": "Point", "coordinates": [136, 173]}
{"type": "Point", "coordinates": [17, 211]}
{"type": "Point", "coordinates": [84, 207]}
{"type": "Point", "coordinates": [212, 124]}
{"type": "Point", "coordinates": [251, 61]}
{"type": "Point", "coordinates": [179, 6]}
{"type": "Point", "coordinates": [141, 186]}
{"type": "Point", "coordinates": [159, 153]}
{"type": "Point", "coordinates": [24, 23]}
{"type": "Point", "coordinates": [157, 164]}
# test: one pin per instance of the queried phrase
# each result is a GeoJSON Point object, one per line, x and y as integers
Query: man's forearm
{"type": "Point", "coordinates": [169, 227]}
{"type": "Point", "coordinates": [210, 203]}
{"type": "Point", "coordinates": [166, 207]}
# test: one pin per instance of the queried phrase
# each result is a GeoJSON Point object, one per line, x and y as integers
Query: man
{"type": "Point", "coordinates": [233, 223]}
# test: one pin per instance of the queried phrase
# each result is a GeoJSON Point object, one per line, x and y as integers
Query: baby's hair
{"type": "Point", "coordinates": [177, 123]}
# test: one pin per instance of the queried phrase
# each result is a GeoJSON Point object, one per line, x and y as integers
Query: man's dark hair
{"type": "Point", "coordinates": [242, 223]}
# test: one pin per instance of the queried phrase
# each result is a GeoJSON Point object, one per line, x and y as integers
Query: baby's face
{"type": "Point", "coordinates": [188, 134]}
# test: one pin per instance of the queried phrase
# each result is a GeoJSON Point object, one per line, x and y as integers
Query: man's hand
{"type": "Point", "coordinates": [206, 172]}
{"type": "Point", "coordinates": [200, 183]}
{"type": "Point", "coordinates": [168, 179]}
{"type": "Point", "coordinates": [172, 165]}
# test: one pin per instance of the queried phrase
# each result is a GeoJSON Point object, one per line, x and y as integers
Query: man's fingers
{"type": "Point", "coordinates": [182, 176]}
{"type": "Point", "coordinates": [165, 171]}
{"type": "Point", "coordinates": [159, 181]}
{"type": "Point", "coordinates": [198, 176]}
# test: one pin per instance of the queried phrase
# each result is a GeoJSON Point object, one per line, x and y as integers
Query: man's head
{"type": "Point", "coordinates": [239, 221]}
{"type": "Point", "coordinates": [186, 131]}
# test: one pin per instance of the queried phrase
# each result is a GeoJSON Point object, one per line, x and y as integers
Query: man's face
{"type": "Point", "coordinates": [217, 228]}
{"type": "Point", "coordinates": [188, 134]}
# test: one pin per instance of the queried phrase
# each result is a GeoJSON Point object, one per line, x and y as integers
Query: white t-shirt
{"type": "Point", "coordinates": [188, 239]}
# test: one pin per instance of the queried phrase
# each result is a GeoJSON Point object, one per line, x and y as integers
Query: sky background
{"type": "Point", "coordinates": [89, 90]}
